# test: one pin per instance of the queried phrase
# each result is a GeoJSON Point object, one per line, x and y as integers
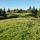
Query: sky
{"type": "Point", "coordinates": [21, 4]}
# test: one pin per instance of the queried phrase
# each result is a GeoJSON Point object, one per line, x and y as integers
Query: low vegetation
{"type": "Point", "coordinates": [20, 29]}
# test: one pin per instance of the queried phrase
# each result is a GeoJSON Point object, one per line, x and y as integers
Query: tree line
{"type": "Point", "coordinates": [34, 11]}
{"type": "Point", "coordinates": [3, 13]}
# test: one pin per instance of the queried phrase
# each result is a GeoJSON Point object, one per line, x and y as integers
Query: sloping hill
{"type": "Point", "coordinates": [20, 29]}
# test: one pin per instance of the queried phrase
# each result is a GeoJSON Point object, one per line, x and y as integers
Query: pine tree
{"type": "Point", "coordinates": [8, 10]}
{"type": "Point", "coordinates": [29, 10]}
{"type": "Point", "coordinates": [0, 12]}
{"type": "Point", "coordinates": [4, 13]}
{"type": "Point", "coordinates": [36, 11]}
{"type": "Point", "coordinates": [33, 11]}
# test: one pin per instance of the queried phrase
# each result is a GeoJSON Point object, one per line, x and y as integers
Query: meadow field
{"type": "Point", "coordinates": [20, 29]}
{"type": "Point", "coordinates": [19, 19]}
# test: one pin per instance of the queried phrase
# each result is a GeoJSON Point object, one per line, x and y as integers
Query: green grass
{"type": "Point", "coordinates": [20, 29]}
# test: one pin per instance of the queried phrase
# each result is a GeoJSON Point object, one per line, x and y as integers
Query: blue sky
{"type": "Point", "coordinates": [24, 4]}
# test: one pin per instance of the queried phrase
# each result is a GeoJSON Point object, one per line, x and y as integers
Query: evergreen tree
{"type": "Point", "coordinates": [29, 10]}
{"type": "Point", "coordinates": [36, 11]}
{"type": "Point", "coordinates": [4, 13]}
{"type": "Point", "coordinates": [33, 11]}
{"type": "Point", "coordinates": [0, 12]}
{"type": "Point", "coordinates": [8, 10]}
{"type": "Point", "coordinates": [19, 11]}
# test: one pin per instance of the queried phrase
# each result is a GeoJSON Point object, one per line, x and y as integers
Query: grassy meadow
{"type": "Point", "coordinates": [22, 28]}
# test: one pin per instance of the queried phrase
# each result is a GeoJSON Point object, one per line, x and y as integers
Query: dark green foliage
{"type": "Point", "coordinates": [38, 38]}
{"type": "Point", "coordinates": [37, 32]}
{"type": "Point", "coordinates": [22, 37]}
{"type": "Point", "coordinates": [8, 10]}
{"type": "Point", "coordinates": [4, 13]}
{"type": "Point", "coordinates": [19, 11]}
{"type": "Point", "coordinates": [34, 12]}
{"type": "Point", "coordinates": [16, 10]}
{"type": "Point", "coordinates": [0, 12]}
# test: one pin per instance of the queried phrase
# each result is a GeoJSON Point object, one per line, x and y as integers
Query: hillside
{"type": "Point", "coordinates": [20, 29]}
